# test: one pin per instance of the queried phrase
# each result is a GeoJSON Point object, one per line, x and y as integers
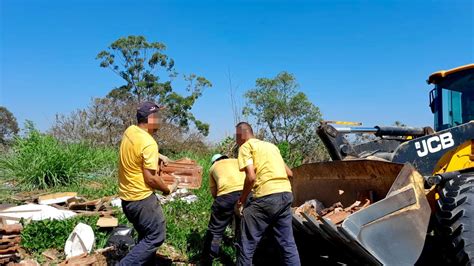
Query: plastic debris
{"type": "Point", "coordinates": [180, 194]}
{"type": "Point", "coordinates": [80, 241]}
{"type": "Point", "coordinates": [117, 202]}
{"type": "Point", "coordinates": [34, 212]}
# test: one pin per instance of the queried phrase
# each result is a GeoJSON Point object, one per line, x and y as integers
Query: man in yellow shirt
{"type": "Point", "coordinates": [138, 178]}
{"type": "Point", "coordinates": [226, 183]}
{"type": "Point", "coordinates": [270, 208]}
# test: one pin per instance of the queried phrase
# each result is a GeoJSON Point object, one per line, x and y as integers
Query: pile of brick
{"type": "Point", "coordinates": [185, 170]}
{"type": "Point", "coordinates": [10, 243]}
{"type": "Point", "coordinates": [336, 213]}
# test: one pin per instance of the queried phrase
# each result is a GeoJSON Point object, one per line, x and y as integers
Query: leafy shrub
{"type": "Point", "coordinates": [40, 161]}
{"type": "Point", "coordinates": [38, 236]}
{"type": "Point", "coordinates": [292, 158]}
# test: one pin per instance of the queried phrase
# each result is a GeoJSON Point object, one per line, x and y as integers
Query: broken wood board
{"type": "Point", "coordinates": [100, 213]}
{"type": "Point", "coordinates": [92, 205]}
{"type": "Point", "coordinates": [60, 197]}
{"type": "Point", "coordinates": [107, 222]}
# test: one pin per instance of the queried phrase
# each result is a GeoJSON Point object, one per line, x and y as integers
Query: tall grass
{"type": "Point", "coordinates": [39, 161]}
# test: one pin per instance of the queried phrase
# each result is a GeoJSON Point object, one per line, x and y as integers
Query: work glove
{"type": "Point", "coordinates": [239, 209]}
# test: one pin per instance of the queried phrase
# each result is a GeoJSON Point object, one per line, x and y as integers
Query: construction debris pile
{"type": "Point", "coordinates": [63, 205]}
{"type": "Point", "coordinates": [336, 213]}
{"type": "Point", "coordinates": [55, 206]}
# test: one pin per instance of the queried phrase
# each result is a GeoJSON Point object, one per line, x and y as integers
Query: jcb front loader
{"type": "Point", "coordinates": [421, 181]}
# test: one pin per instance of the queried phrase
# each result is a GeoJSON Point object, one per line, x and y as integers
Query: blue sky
{"type": "Point", "coordinates": [364, 61]}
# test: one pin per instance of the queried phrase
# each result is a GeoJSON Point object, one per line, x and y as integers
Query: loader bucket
{"type": "Point", "coordinates": [391, 231]}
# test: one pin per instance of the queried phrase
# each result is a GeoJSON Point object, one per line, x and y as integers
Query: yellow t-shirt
{"type": "Point", "coordinates": [226, 176]}
{"type": "Point", "coordinates": [138, 150]}
{"type": "Point", "coordinates": [268, 164]}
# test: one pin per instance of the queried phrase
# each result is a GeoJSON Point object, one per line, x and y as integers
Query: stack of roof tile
{"type": "Point", "coordinates": [10, 243]}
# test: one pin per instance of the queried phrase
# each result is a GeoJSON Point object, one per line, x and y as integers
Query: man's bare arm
{"type": "Point", "coordinates": [213, 188]}
{"type": "Point", "coordinates": [289, 173]}
{"type": "Point", "coordinates": [155, 181]}
{"type": "Point", "coordinates": [250, 178]}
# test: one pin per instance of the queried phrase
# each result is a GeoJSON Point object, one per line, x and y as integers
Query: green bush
{"type": "Point", "coordinates": [40, 161]}
{"type": "Point", "coordinates": [292, 158]}
{"type": "Point", "coordinates": [38, 236]}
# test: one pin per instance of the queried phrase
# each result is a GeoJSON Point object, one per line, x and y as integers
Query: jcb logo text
{"type": "Point", "coordinates": [434, 144]}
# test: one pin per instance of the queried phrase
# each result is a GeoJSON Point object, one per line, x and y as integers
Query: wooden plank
{"type": "Point", "coordinates": [56, 197]}
{"type": "Point", "coordinates": [107, 222]}
{"type": "Point", "coordinates": [100, 213]}
{"type": "Point", "coordinates": [93, 205]}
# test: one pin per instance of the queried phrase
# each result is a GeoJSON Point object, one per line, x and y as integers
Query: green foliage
{"type": "Point", "coordinates": [38, 236]}
{"type": "Point", "coordinates": [41, 161]}
{"type": "Point", "coordinates": [285, 115]}
{"type": "Point", "coordinates": [8, 126]}
{"type": "Point", "coordinates": [139, 63]}
{"type": "Point", "coordinates": [228, 147]}
{"type": "Point", "coordinates": [292, 160]}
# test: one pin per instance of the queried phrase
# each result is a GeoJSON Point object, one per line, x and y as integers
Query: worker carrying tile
{"type": "Point", "coordinates": [226, 183]}
{"type": "Point", "coordinates": [138, 178]}
{"type": "Point", "coordinates": [270, 207]}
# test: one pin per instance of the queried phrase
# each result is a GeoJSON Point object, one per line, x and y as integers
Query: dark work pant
{"type": "Point", "coordinates": [222, 212]}
{"type": "Point", "coordinates": [269, 212]}
{"type": "Point", "coordinates": [147, 218]}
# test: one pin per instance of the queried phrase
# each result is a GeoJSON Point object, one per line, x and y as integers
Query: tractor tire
{"type": "Point", "coordinates": [455, 220]}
